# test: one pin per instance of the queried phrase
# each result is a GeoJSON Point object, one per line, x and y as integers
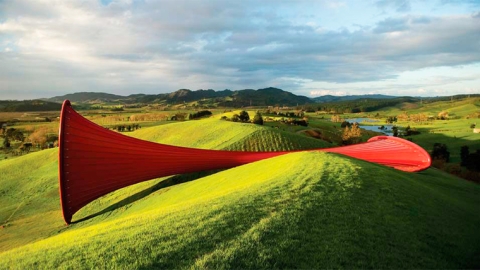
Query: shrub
{"type": "Point", "coordinates": [351, 135]}
{"type": "Point", "coordinates": [336, 118]}
{"type": "Point", "coordinates": [471, 160]}
{"type": "Point", "coordinates": [438, 163]}
{"type": "Point", "coordinates": [442, 115]}
{"type": "Point", "coordinates": [236, 118]}
{"type": "Point", "coordinates": [257, 119]}
{"type": "Point", "coordinates": [395, 131]}
{"type": "Point", "coordinates": [403, 117]}
{"type": "Point", "coordinates": [464, 152]}
{"type": "Point", "coordinates": [345, 124]}
{"type": "Point", "coordinates": [14, 134]}
{"type": "Point", "coordinates": [440, 151]}
{"type": "Point", "coordinates": [180, 117]}
{"type": "Point", "coordinates": [418, 117]}
{"type": "Point", "coordinates": [391, 119]}
{"type": "Point", "coordinates": [6, 143]}
{"type": "Point", "coordinates": [200, 114]}
{"type": "Point", "coordinates": [300, 123]}
{"type": "Point", "coordinates": [117, 109]}
{"type": "Point", "coordinates": [410, 131]}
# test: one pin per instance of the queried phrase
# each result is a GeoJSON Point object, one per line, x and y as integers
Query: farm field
{"type": "Point", "coordinates": [454, 132]}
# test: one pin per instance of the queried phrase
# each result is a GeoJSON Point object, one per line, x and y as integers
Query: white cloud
{"type": "Point", "coordinates": [336, 4]}
{"type": "Point", "coordinates": [156, 47]}
{"type": "Point", "coordinates": [327, 92]}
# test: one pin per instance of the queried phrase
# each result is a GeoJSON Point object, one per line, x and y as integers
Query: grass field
{"type": "Point", "coordinates": [212, 133]}
{"type": "Point", "coordinates": [302, 210]}
{"type": "Point", "coordinates": [455, 132]}
{"type": "Point", "coordinates": [345, 213]}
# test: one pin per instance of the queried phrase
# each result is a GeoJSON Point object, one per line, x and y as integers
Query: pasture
{"type": "Point", "coordinates": [301, 210]}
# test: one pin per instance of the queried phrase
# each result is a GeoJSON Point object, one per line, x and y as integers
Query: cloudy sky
{"type": "Point", "coordinates": [312, 48]}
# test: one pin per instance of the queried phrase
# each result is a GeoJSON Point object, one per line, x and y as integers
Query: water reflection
{"type": "Point", "coordinates": [387, 129]}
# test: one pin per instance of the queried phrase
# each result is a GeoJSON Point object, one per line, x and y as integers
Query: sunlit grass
{"type": "Point", "coordinates": [217, 134]}
{"type": "Point", "coordinates": [345, 213]}
{"type": "Point", "coordinates": [301, 210]}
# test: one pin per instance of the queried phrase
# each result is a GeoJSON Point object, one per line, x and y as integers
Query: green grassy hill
{"type": "Point", "coordinates": [455, 132]}
{"type": "Point", "coordinates": [214, 134]}
{"type": "Point", "coordinates": [35, 105]}
{"type": "Point", "coordinates": [301, 210]}
{"type": "Point", "coordinates": [456, 108]}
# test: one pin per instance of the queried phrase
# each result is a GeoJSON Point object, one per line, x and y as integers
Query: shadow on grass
{"type": "Point", "coordinates": [172, 181]}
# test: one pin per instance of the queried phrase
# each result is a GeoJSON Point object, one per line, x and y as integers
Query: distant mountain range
{"type": "Point", "coordinates": [248, 97]}
{"type": "Point", "coordinates": [86, 97]}
{"type": "Point", "coordinates": [35, 105]}
{"type": "Point", "coordinates": [330, 98]}
{"type": "Point", "coordinates": [238, 98]}
{"type": "Point", "coordinates": [228, 98]}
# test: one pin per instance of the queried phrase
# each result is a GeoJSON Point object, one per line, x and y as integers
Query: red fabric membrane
{"type": "Point", "coordinates": [94, 161]}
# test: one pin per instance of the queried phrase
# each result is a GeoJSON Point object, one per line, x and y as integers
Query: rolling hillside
{"type": "Point", "coordinates": [28, 106]}
{"type": "Point", "coordinates": [454, 132]}
{"type": "Point", "coordinates": [214, 134]}
{"type": "Point", "coordinates": [301, 210]}
{"type": "Point", "coordinates": [87, 97]}
{"type": "Point", "coordinates": [247, 97]}
{"type": "Point", "coordinates": [330, 98]}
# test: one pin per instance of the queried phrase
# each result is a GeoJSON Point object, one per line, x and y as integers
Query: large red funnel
{"type": "Point", "coordinates": [94, 161]}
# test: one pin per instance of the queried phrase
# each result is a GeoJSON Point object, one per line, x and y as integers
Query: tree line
{"type": "Point", "coordinates": [39, 138]}
{"type": "Point", "coordinates": [358, 105]}
{"type": "Point", "coordinates": [469, 165]}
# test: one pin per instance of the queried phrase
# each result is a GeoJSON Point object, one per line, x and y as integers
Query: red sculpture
{"type": "Point", "coordinates": [94, 161]}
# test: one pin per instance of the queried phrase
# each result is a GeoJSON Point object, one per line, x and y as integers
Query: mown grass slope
{"type": "Point", "coordinates": [344, 213]}
{"type": "Point", "coordinates": [302, 210]}
{"type": "Point", "coordinates": [29, 186]}
{"type": "Point", "coordinates": [217, 134]}
{"type": "Point", "coordinates": [29, 201]}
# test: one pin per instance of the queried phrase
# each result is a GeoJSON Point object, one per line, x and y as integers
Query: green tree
{"type": "Point", "coordinates": [236, 118]}
{"type": "Point", "coordinates": [15, 134]}
{"type": "Point", "coordinates": [351, 135]}
{"type": "Point", "coordinates": [345, 124]}
{"type": "Point", "coordinates": [244, 117]}
{"type": "Point", "coordinates": [440, 151]}
{"type": "Point", "coordinates": [473, 160]}
{"type": "Point", "coordinates": [464, 152]}
{"type": "Point", "coordinates": [6, 143]}
{"type": "Point", "coordinates": [258, 119]}
{"type": "Point", "coordinates": [395, 131]}
{"type": "Point", "coordinates": [26, 147]}
{"type": "Point", "coordinates": [391, 119]}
